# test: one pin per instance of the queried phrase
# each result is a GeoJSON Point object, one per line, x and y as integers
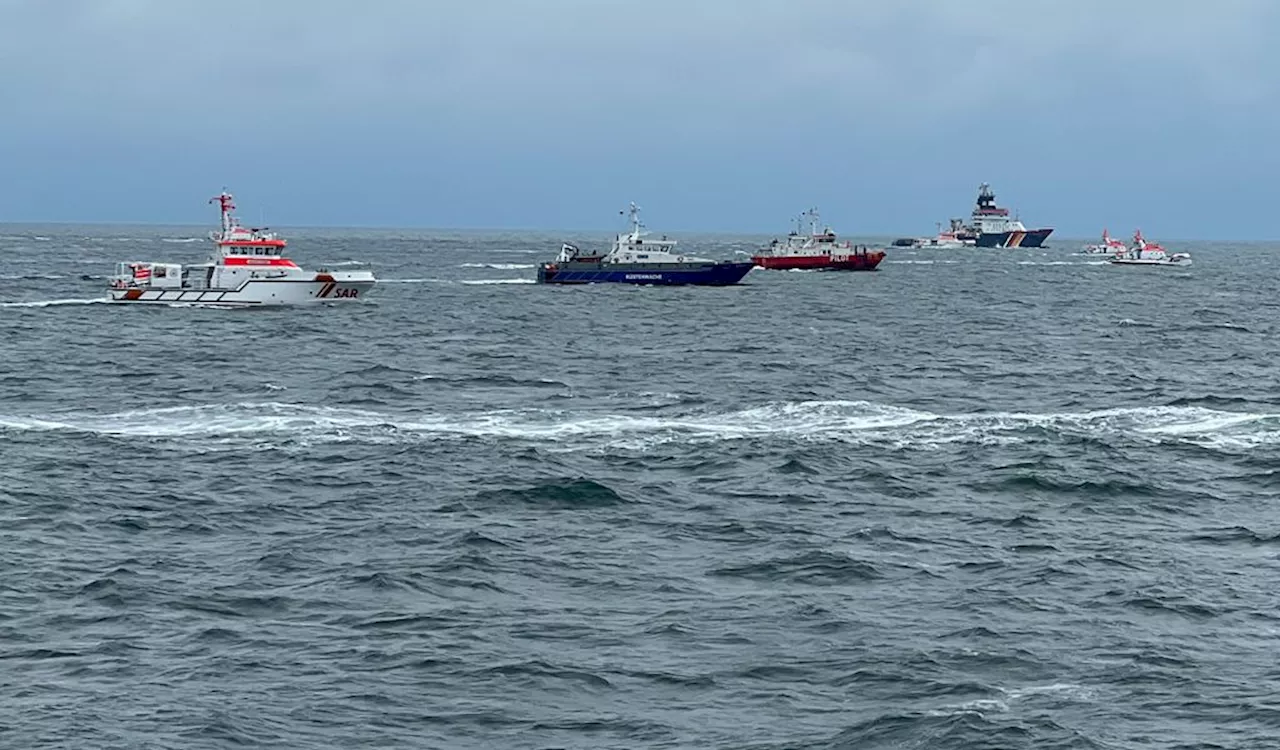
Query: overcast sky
{"type": "Point", "coordinates": [727, 115]}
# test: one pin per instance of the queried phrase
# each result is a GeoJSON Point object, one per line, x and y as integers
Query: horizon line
{"type": "Point", "coordinates": [725, 232]}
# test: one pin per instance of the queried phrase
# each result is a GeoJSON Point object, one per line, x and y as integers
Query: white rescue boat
{"type": "Point", "coordinates": [247, 269]}
{"type": "Point", "coordinates": [1144, 253]}
{"type": "Point", "coordinates": [1109, 246]}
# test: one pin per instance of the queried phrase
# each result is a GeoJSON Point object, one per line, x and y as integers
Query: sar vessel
{"type": "Point", "coordinates": [247, 268]}
{"type": "Point", "coordinates": [1109, 245]}
{"type": "Point", "coordinates": [992, 227]}
{"type": "Point", "coordinates": [954, 237]}
{"type": "Point", "coordinates": [817, 250]}
{"type": "Point", "coordinates": [635, 259]}
{"type": "Point", "coordinates": [1144, 253]}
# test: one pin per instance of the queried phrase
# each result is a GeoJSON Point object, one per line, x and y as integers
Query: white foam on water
{"type": "Point", "coordinates": [55, 302]}
{"type": "Point", "coordinates": [500, 266]}
{"type": "Point", "coordinates": [857, 422]}
{"type": "Point", "coordinates": [481, 282]}
{"type": "Point", "coordinates": [1066, 690]}
{"type": "Point", "coordinates": [193, 421]}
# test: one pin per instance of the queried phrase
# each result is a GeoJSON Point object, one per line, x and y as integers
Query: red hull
{"type": "Point", "coordinates": [852, 262]}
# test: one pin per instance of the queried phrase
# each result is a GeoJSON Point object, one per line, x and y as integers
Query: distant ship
{"type": "Point", "coordinates": [1109, 245]}
{"type": "Point", "coordinates": [635, 259]}
{"type": "Point", "coordinates": [992, 226]}
{"type": "Point", "coordinates": [1144, 253]}
{"type": "Point", "coordinates": [956, 236]}
{"type": "Point", "coordinates": [817, 250]}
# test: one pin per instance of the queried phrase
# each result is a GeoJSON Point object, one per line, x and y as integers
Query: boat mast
{"type": "Point", "coordinates": [226, 206]}
{"type": "Point", "coordinates": [813, 220]}
{"type": "Point", "coordinates": [635, 220]}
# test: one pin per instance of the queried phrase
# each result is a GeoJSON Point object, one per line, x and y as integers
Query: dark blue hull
{"type": "Point", "coordinates": [1029, 238]}
{"type": "Point", "coordinates": [718, 274]}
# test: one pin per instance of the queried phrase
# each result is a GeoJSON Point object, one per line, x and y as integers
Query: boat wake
{"type": "Point", "coordinates": [470, 282]}
{"type": "Point", "coordinates": [1062, 263]}
{"type": "Point", "coordinates": [55, 302]}
{"type": "Point", "coordinates": [856, 422]}
{"type": "Point", "coordinates": [500, 266]}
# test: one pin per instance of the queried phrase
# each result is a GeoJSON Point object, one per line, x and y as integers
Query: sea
{"type": "Point", "coordinates": [976, 499]}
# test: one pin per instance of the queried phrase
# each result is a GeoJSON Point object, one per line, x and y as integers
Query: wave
{"type": "Point", "coordinates": [576, 493]}
{"type": "Point", "coordinates": [474, 282]}
{"type": "Point", "coordinates": [500, 266]}
{"type": "Point", "coordinates": [181, 240]}
{"type": "Point", "coordinates": [31, 276]}
{"type": "Point", "coordinates": [55, 302]}
{"type": "Point", "coordinates": [1061, 263]}
{"type": "Point", "coordinates": [857, 422]}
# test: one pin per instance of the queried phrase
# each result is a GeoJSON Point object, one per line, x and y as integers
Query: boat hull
{"type": "Point", "coordinates": [1141, 262]}
{"type": "Point", "coordinates": [1014, 238]}
{"type": "Point", "coordinates": [931, 244]}
{"type": "Point", "coordinates": [253, 293]}
{"type": "Point", "coordinates": [852, 262]}
{"type": "Point", "coordinates": [709, 274]}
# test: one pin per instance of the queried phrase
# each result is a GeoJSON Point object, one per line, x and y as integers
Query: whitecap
{"type": "Point", "coordinates": [55, 302]}
{"type": "Point", "coordinates": [856, 422]}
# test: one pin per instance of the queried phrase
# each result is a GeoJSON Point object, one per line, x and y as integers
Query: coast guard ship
{"type": "Point", "coordinates": [992, 226]}
{"type": "Point", "coordinates": [636, 259]}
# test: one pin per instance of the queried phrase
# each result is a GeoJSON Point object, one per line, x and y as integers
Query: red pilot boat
{"type": "Point", "coordinates": [817, 251]}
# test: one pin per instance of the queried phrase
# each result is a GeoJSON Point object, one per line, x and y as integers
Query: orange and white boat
{"type": "Point", "coordinates": [1109, 246]}
{"type": "Point", "coordinates": [1144, 253]}
{"type": "Point", "coordinates": [246, 269]}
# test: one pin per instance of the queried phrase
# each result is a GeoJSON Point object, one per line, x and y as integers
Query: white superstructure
{"type": "Point", "coordinates": [631, 247]}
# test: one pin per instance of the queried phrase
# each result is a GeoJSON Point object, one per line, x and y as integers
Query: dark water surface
{"type": "Point", "coordinates": [978, 499]}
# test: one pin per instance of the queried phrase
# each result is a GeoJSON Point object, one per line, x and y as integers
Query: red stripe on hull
{"type": "Point", "coordinates": [852, 262]}
{"type": "Point", "coordinates": [234, 260]}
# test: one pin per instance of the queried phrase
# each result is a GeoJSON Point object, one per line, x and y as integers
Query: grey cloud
{"type": "Point", "coordinates": [151, 63]}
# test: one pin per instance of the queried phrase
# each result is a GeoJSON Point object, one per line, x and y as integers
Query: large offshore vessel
{"type": "Point", "coordinates": [992, 227]}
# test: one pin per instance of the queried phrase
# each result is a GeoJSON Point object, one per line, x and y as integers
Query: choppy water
{"type": "Point", "coordinates": [978, 499]}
